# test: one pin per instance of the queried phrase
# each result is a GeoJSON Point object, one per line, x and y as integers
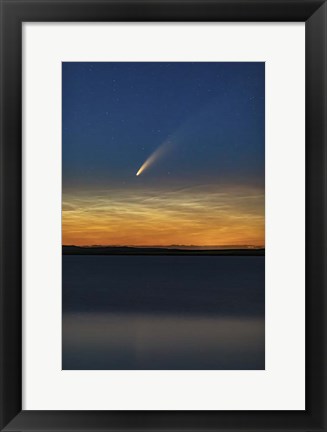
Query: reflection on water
{"type": "Point", "coordinates": [127, 312]}
{"type": "Point", "coordinates": [128, 341]}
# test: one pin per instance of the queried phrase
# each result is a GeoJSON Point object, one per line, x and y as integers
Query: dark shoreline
{"type": "Point", "coordinates": [127, 250]}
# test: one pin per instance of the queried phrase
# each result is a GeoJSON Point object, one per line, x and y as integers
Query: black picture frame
{"type": "Point", "coordinates": [13, 14]}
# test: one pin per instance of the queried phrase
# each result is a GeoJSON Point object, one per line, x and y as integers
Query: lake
{"type": "Point", "coordinates": [163, 312]}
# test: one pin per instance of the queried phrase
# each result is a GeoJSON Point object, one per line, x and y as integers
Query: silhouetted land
{"type": "Point", "coordinates": [129, 250]}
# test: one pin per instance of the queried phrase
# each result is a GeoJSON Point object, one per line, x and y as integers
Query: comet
{"type": "Point", "coordinates": [182, 132]}
{"type": "Point", "coordinates": [155, 156]}
{"type": "Point", "coordinates": [186, 129]}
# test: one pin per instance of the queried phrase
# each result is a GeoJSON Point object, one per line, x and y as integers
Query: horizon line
{"type": "Point", "coordinates": [170, 246]}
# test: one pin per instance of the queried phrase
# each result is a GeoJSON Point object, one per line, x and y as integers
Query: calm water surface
{"type": "Point", "coordinates": [163, 312]}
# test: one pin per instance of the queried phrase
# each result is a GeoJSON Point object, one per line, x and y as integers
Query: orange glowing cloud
{"type": "Point", "coordinates": [200, 216]}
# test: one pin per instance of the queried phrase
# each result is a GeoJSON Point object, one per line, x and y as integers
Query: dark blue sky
{"type": "Point", "coordinates": [116, 114]}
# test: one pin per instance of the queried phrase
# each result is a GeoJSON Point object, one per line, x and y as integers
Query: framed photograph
{"type": "Point", "coordinates": [163, 234]}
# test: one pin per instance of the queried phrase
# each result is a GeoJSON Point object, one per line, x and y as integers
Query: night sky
{"type": "Point", "coordinates": [197, 129]}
